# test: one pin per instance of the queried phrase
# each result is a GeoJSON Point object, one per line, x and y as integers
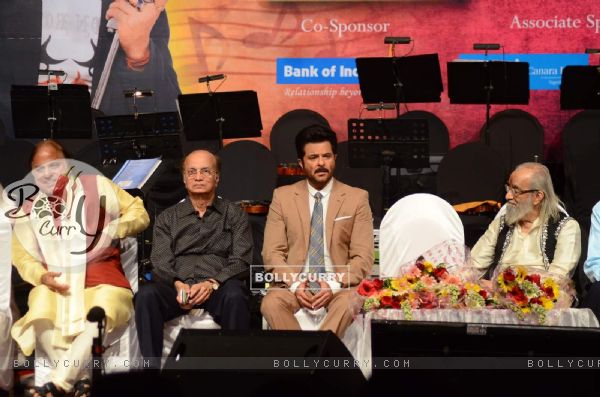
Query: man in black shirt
{"type": "Point", "coordinates": [202, 249]}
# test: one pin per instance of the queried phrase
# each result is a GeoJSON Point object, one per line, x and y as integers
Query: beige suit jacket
{"type": "Point", "coordinates": [349, 232]}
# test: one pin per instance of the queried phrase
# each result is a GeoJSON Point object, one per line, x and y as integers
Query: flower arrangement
{"type": "Point", "coordinates": [426, 285]}
{"type": "Point", "coordinates": [526, 293]}
{"type": "Point", "coordinates": [423, 286]}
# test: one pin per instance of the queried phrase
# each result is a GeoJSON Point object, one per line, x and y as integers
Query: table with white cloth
{"type": "Point", "coordinates": [358, 336]}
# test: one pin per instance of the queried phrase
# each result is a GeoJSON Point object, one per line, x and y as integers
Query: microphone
{"type": "Point", "coordinates": [137, 93]}
{"type": "Point", "coordinates": [486, 46]}
{"type": "Point", "coordinates": [396, 40]}
{"type": "Point", "coordinates": [96, 314]}
{"type": "Point", "coordinates": [211, 77]}
{"type": "Point", "coordinates": [48, 72]}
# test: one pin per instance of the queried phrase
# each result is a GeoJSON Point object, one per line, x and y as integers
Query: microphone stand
{"type": "Point", "coordinates": [220, 120]}
{"type": "Point", "coordinates": [97, 314]}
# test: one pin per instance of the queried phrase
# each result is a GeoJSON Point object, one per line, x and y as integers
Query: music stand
{"type": "Point", "coordinates": [580, 88]}
{"type": "Point", "coordinates": [145, 135]}
{"type": "Point", "coordinates": [39, 112]}
{"type": "Point", "coordinates": [220, 115]}
{"type": "Point", "coordinates": [386, 143]}
{"type": "Point", "coordinates": [488, 82]}
{"type": "Point", "coordinates": [414, 79]}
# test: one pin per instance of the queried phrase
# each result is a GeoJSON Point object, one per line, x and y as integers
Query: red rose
{"type": "Point", "coordinates": [463, 291]}
{"type": "Point", "coordinates": [386, 301]}
{"type": "Point", "coordinates": [483, 293]}
{"type": "Point", "coordinates": [428, 301]}
{"type": "Point", "coordinates": [537, 301]}
{"type": "Point", "coordinates": [509, 275]}
{"type": "Point", "coordinates": [439, 272]}
{"type": "Point", "coordinates": [377, 283]}
{"type": "Point", "coordinates": [518, 295]}
{"type": "Point", "coordinates": [420, 265]}
{"type": "Point", "coordinates": [549, 292]}
{"type": "Point", "coordinates": [396, 303]}
{"type": "Point", "coordinates": [366, 288]}
{"type": "Point", "coordinates": [534, 278]}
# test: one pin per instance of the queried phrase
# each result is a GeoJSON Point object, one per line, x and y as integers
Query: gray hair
{"type": "Point", "coordinates": [540, 180]}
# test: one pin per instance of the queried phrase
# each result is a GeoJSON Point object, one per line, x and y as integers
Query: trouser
{"type": "Point", "coordinates": [280, 305]}
{"type": "Point", "coordinates": [67, 365]}
{"type": "Point", "coordinates": [156, 303]}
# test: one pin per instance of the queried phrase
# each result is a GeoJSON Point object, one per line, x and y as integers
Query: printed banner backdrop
{"type": "Point", "coordinates": [300, 54]}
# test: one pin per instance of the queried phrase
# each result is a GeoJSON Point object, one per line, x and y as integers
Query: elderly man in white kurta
{"type": "Point", "coordinates": [66, 244]}
{"type": "Point", "coordinates": [532, 230]}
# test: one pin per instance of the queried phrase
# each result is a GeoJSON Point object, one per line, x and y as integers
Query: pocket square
{"type": "Point", "coordinates": [341, 218]}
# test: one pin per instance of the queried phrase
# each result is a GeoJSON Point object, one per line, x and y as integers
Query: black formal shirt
{"type": "Point", "coordinates": [192, 249]}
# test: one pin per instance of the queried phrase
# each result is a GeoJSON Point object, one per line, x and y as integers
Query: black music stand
{"type": "Point", "coordinates": [220, 115]}
{"type": "Point", "coordinates": [39, 112]}
{"type": "Point", "coordinates": [414, 79]}
{"type": "Point", "coordinates": [580, 88]}
{"type": "Point", "coordinates": [488, 82]}
{"type": "Point", "coordinates": [145, 135]}
{"type": "Point", "coordinates": [386, 143]}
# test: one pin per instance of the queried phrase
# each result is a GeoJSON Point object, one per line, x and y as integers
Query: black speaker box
{"type": "Point", "coordinates": [415, 339]}
{"type": "Point", "coordinates": [293, 378]}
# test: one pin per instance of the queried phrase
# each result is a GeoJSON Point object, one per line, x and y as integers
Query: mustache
{"type": "Point", "coordinates": [321, 169]}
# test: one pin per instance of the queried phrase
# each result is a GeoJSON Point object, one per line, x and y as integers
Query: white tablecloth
{"type": "Point", "coordinates": [358, 336]}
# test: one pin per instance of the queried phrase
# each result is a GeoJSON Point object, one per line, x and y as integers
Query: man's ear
{"type": "Point", "coordinates": [539, 197]}
{"type": "Point", "coordinates": [300, 163]}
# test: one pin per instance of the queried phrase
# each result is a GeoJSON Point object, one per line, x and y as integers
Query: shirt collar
{"type": "Point", "coordinates": [324, 192]}
{"type": "Point", "coordinates": [217, 205]}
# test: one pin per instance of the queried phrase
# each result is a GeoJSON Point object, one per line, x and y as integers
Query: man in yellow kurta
{"type": "Point", "coordinates": [66, 244]}
{"type": "Point", "coordinates": [533, 230]}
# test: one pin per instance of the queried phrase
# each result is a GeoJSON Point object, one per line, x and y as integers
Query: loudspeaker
{"type": "Point", "coordinates": [263, 363]}
{"type": "Point", "coordinates": [538, 350]}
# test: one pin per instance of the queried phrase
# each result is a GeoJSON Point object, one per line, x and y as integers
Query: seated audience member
{"type": "Point", "coordinates": [592, 264]}
{"type": "Point", "coordinates": [201, 253]}
{"type": "Point", "coordinates": [316, 226]}
{"type": "Point", "coordinates": [66, 242]}
{"type": "Point", "coordinates": [6, 318]}
{"type": "Point", "coordinates": [534, 231]}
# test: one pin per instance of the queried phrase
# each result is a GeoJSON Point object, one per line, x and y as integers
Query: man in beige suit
{"type": "Point", "coordinates": [318, 240]}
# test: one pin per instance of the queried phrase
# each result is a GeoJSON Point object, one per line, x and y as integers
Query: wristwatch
{"type": "Point", "coordinates": [215, 284]}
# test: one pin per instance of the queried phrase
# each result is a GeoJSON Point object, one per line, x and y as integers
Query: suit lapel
{"type": "Point", "coordinates": [301, 200]}
{"type": "Point", "coordinates": [333, 207]}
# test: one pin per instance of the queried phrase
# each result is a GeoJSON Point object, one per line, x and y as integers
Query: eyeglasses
{"type": "Point", "coordinates": [515, 191]}
{"type": "Point", "coordinates": [192, 172]}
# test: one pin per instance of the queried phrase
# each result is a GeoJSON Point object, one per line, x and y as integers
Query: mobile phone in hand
{"type": "Point", "coordinates": [183, 296]}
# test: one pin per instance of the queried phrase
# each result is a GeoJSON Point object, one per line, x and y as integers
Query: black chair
{"type": "Point", "coordinates": [249, 172]}
{"type": "Point", "coordinates": [14, 158]}
{"type": "Point", "coordinates": [517, 136]}
{"type": "Point", "coordinates": [581, 147]}
{"type": "Point", "coordinates": [283, 133]}
{"type": "Point", "coordinates": [472, 172]}
{"type": "Point", "coordinates": [369, 179]}
{"type": "Point", "coordinates": [413, 181]}
{"type": "Point", "coordinates": [439, 139]}
{"type": "Point", "coordinates": [581, 280]}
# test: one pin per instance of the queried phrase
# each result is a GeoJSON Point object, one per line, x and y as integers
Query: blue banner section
{"type": "Point", "coordinates": [545, 70]}
{"type": "Point", "coordinates": [316, 71]}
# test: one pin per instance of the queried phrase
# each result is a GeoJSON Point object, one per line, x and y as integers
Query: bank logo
{"type": "Point", "coordinates": [545, 70]}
